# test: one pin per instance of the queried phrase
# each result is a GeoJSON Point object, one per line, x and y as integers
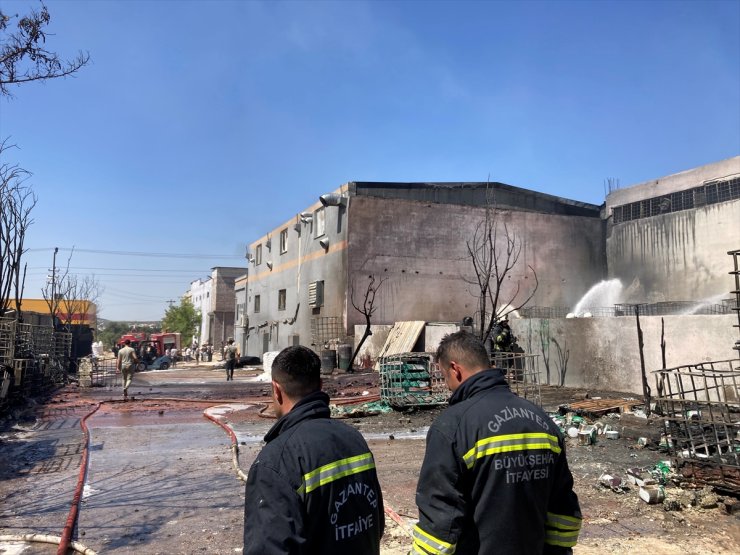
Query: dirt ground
{"type": "Point", "coordinates": [161, 478]}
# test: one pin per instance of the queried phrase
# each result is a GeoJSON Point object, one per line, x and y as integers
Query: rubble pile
{"type": "Point", "coordinates": [656, 484]}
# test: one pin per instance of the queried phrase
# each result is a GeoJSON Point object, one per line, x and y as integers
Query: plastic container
{"type": "Point", "coordinates": [344, 355]}
{"type": "Point", "coordinates": [328, 361]}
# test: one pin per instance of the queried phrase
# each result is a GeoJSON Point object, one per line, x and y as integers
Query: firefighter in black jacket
{"type": "Point", "coordinates": [313, 488]}
{"type": "Point", "coordinates": [495, 479]}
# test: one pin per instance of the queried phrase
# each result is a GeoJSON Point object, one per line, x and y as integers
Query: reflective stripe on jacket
{"type": "Point", "coordinates": [313, 488]}
{"type": "Point", "coordinates": [495, 478]}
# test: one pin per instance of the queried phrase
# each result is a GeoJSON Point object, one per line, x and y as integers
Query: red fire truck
{"type": "Point", "coordinates": [143, 344]}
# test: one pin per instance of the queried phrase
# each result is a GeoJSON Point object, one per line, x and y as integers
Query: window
{"type": "Point", "coordinates": [284, 241]}
{"type": "Point", "coordinates": [258, 255]}
{"type": "Point", "coordinates": [316, 293]}
{"type": "Point", "coordinates": [319, 219]}
{"type": "Point", "coordinates": [282, 295]}
{"type": "Point", "coordinates": [256, 303]}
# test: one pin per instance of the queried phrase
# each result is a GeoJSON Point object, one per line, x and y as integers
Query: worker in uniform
{"type": "Point", "coordinates": [503, 339]}
{"type": "Point", "coordinates": [495, 478]}
{"type": "Point", "coordinates": [126, 361]}
{"type": "Point", "coordinates": [313, 488]}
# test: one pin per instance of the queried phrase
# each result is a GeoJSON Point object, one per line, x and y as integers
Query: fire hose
{"type": "Point", "coordinates": [66, 543]}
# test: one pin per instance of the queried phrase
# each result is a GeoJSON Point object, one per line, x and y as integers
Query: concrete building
{"type": "Point", "coordinates": [413, 236]}
{"type": "Point", "coordinates": [199, 295]}
{"type": "Point", "coordinates": [214, 298]}
{"type": "Point", "coordinates": [241, 321]}
{"type": "Point", "coordinates": [667, 239]}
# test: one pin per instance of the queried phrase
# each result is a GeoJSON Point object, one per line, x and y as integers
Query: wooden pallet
{"type": "Point", "coordinates": [598, 407]}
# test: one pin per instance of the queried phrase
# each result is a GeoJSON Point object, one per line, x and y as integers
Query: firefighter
{"type": "Point", "coordinates": [495, 478]}
{"type": "Point", "coordinates": [313, 488]}
{"type": "Point", "coordinates": [503, 339]}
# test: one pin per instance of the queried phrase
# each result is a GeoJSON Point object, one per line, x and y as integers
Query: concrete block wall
{"type": "Point", "coordinates": [604, 352]}
{"type": "Point", "coordinates": [420, 249]}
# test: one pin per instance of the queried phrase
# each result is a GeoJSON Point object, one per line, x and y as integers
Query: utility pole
{"type": "Point", "coordinates": [54, 273]}
{"type": "Point", "coordinates": [53, 302]}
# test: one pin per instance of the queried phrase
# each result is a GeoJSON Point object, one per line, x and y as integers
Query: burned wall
{"type": "Point", "coordinates": [602, 353]}
{"type": "Point", "coordinates": [420, 249]}
{"type": "Point", "coordinates": [681, 256]}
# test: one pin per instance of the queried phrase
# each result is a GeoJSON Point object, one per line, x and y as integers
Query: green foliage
{"type": "Point", "coordinates": [112, 332]}
{"type": "Point", "coordinates": [182, 318]}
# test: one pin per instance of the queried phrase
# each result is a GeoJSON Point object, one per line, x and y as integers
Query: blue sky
{"type": "Point", "coordinates": [199, 126]}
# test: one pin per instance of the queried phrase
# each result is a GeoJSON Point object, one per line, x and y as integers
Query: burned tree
{"type": "Point", "coordinates": [16, 203]}
{"type": "Point", "coordinates": [367, 309]}
{"type": "Point", "coordinates": [494, 251]}
{"type": "Point", "coordinates": [23, 54]}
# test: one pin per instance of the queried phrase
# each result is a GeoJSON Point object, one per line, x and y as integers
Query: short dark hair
{"type": "Point", "coordinates": [127, 342]}
{"type": "Point", "coordinates": [298, 370]}
{"type": "Point", "coordinates": [465, 348]}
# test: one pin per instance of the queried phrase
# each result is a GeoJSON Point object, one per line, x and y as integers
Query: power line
{"type": "Point", "coordinates": [121, 269]}
{"type": "Point", "coordinates": [148, 254]}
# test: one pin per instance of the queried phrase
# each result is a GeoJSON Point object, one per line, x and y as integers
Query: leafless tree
{"type": "Point", "coordinates": [494, 252]}
{"type": "Point", "coordinates": [67, 294]}
{"type": "Point", "coordinates": [545, 340]}
{"type": "Point", "coordinates": [23, 53]}
{"type": "Point", "coordinates": [77, 293]}
{"type": "Point", "coordinates": [367, 309]}
{"type": "Point", "coordinates": [16, 203]}
{"type": "Point", "coordinates": [563, 356]}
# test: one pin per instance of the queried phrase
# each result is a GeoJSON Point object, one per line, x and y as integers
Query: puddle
{"type": "Point", "coordinates": [221, 410]}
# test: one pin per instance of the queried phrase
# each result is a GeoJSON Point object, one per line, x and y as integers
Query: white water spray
{"type": "Point", "coordinates": [606, 293]}
{"type": "Point", "coordinates": [693, 309]}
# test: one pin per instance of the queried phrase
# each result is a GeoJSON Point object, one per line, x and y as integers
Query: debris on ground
{"type": "Point", "coordinates": [371, 408]}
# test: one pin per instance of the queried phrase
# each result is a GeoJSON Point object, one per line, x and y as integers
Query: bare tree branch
{"type": "Point", "coordinates": [367, 309]}
{"type": "Point", "coordinates": [17, 200]}
{"type": "Point", "coordinates": [494, 251]}
{"type": "Point", "coordinates": [23, 53]}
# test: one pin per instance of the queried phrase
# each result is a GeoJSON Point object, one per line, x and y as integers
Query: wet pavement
{"type": "Point", "coordinates": [161, 480]}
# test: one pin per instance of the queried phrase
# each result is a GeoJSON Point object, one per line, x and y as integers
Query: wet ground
{"type": "Point", "coordinates": [161, 478]}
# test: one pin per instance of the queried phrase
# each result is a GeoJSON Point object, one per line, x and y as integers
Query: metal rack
{"type": "Point", "coordinates": [411, 379]}
{"type": "Point", "coordinates": [522, 372]}
{"type": "Point", "coordinates": [736, 292]}
{"type": "Point", "coordinates": [326, 330]}
{"type": "Point", "coordinates": [701, 407]}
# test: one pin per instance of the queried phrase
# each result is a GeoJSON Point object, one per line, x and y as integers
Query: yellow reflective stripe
{"type": "Point", "coordinates": [430, 544]}
{"type": "Point", "coordinates": [564, 522]}
{"type": "Point", "coordinates": [562, 539]}
{"type": "Point", "coordinates": [511, 442]}
{"type": "Point", "coordinates": [335, 470]}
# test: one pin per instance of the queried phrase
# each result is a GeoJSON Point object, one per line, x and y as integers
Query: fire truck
{"type": "Point", "coordinates": [150, 346]}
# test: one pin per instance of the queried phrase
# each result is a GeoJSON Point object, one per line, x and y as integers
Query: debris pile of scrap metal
{"type": "Point", "coordinates": [590, 421]}
{"type": "Point", "coordinates": [701, 407]}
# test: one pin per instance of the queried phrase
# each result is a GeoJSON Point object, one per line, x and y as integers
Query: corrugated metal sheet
{"type": "Point", "coordinates": [402, 338]}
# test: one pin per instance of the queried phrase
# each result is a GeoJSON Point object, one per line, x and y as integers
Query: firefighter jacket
{"type": "Point", "coordinates": [313, 488]}
{"type": "Point", "coordinates": [495, 479]}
